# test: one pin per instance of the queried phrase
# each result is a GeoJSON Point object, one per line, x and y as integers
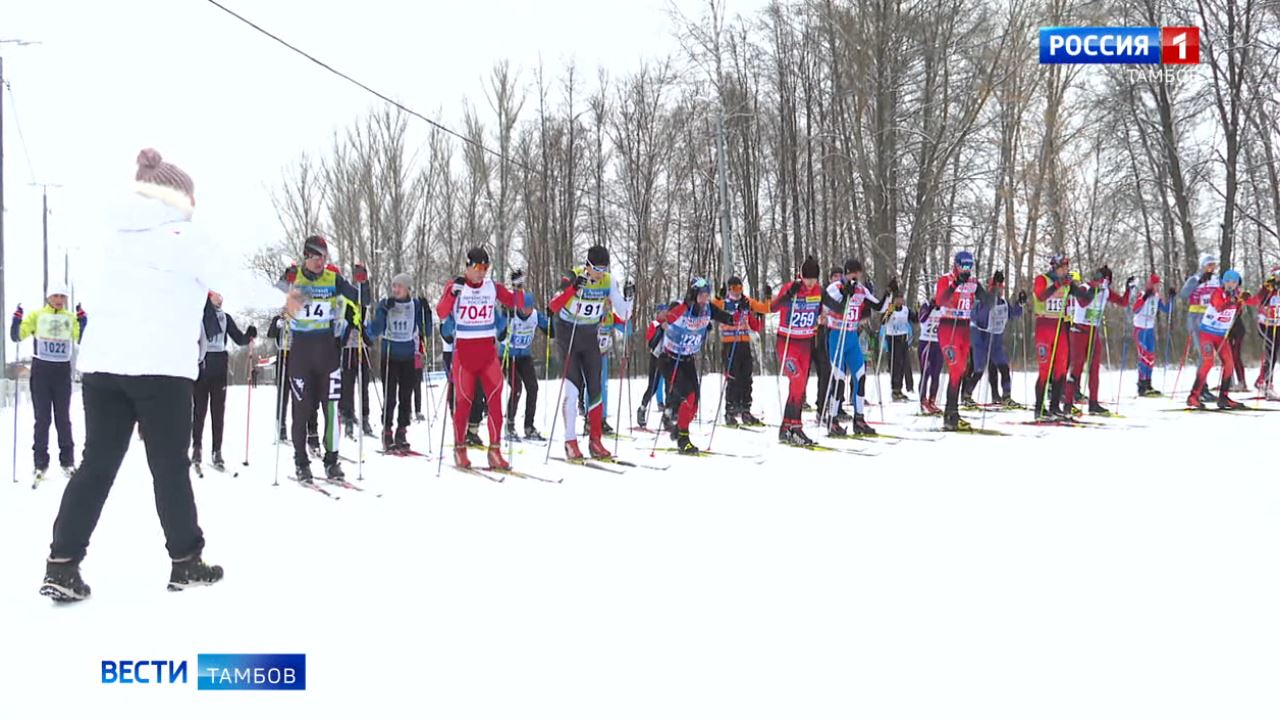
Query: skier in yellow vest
{"type": "Point", "coordinates": [56, 329]}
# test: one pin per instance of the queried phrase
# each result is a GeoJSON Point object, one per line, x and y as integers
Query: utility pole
{"type": "Point", "coordinates": [44, 226]}
{"type": "Point", "coordinates": [726, 230]}
{"type": "Point", "coordinates": [4, 367]}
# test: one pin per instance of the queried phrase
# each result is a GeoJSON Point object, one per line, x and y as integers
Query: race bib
{"type": "Point", "coordinates": [400, 323]}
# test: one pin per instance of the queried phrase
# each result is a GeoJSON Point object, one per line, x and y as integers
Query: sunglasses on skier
{"type": "Point", "coordinates": [479, 266]}
{"type": "Point", "coordinates": [598, 268]}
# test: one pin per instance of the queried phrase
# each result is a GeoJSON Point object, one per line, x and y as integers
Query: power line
{"type": "Point", "coordinates": [17, 122]}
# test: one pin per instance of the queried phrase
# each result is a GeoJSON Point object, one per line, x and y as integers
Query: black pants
{"type": "Point", "coordinates": [581, 359]}
{"type": "Point", "coordinates": [400, 377]}
{"type": "Point", "coordinates": [820, 361]}
{"type": "Point", "coordinates": [315, 382]}
{"type": "Point", "coordinates": [900, 364]}
{"type": "Point", "coordinates": [519, 371]}
{"type": "Point", "coordinates": [211, 398]}
{"type": "Point", "coordinates": [739, 365]}
{"type": "Point", "coordinates": [350, 374]}
{"type": "Point", "coordinates": [419, 376]}
{"type": "Point", "coordinates": [685, 390]}
{"type": "Point", "coordinates": [51, 397]}
{"type": "Point", "coordinates": [655, 375]}
{"type": "Point", "coordinates": [112, 405]}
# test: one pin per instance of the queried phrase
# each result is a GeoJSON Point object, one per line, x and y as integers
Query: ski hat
{"type": "Point", "coordinates": [1207, 259]}
{"type": "Point", "coordinates": [517, 278]}
{"type": "Point", "coordinates": [477, 256]}
{"type": "Point", "coordinates": [835, 270]}
{"type": "Point", "coordinates": [733, 281]}
{"type": "Point", "coordinates": [852, 266]}
{"type": "Point", "coordinates": [1231, 276]}
{"type": "Point", "coordinates": [402, 279]}
{"type": "Point", "coordinates": [809, 269]}
{"type": "Point", "coordinates": [598, 256]}
{"type": "Point", "coordinates": [1057, 260]}
{"type": "Point", "coordinates": [1075, 275]}
{"type": "Point", "coordinates": [57, 287]}
{"type": "Point", "coordinates": [1154, 279]}
{"type": "Point", "coordinates": [700, 284]}
{"type": "Point", "coordinates": [1275, 271]}
{"type": "Point", "coordinates": [315, 245]}
{"type": "Point", "coordinates": [964, 259]}
{"type": "Point", "coordinates": [162, 181]}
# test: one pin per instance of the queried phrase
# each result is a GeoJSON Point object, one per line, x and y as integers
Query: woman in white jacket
{"type": "Point", "coordinates": [151, 255]}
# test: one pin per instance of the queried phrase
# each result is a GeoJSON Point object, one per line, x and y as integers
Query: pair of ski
{"type": "Point", "coordinates": [614, 465]}
{"type": "Point", "coordinates": [1230, 411]}
{"type": "Point", "coordinates": [500, 475]}
{"type": "Point", "coordinates": [757, 459]}
{"type": "Point", "coordinates": [335, 482]}
{"type": "Point", "coordinates": [39, 476]}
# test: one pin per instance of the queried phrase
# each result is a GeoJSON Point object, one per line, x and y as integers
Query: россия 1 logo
{"type": "Point", "coordinates": [1120, 45]}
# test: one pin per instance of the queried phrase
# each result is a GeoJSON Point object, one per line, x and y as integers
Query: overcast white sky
{"type": "Point", "coordinates": [233, 108]}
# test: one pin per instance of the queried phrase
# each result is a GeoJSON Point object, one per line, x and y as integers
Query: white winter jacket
{"type": "Point", "coordinates": [153, 285]}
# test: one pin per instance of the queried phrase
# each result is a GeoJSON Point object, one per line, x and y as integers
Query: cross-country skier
{"type": "Point", "coordinates": [655, 387]}
{"type": "Point", "coordinates": [895, 325]}
{"type": "Point", "coordinates": [1147, 305]}
{"type": "Point", "coordinates": [579, 308]}
{"type": "Point", "coordinates": [955, 295]}
{"type": "Point", "coordinates": [1219, 313]}
{"type": "Point", "coordinates": [398, 322]}
{"type": "Point", "coordinates": [57, 330]}
{"type": "Point", "coordinates": [472, 301]}
{"type": "Point", "coordinates": [800, 304]}
{"type": "Point", "coordinates": [1196, 291]}
{"type": "Point", "coordinates": [930, 353]}
{"type": "Point", "coordinates": [1269, 329]}
{"type": "Point", "coordinates": [735, 350]}
{"type": "Point", "coordinates": [821, 357]}
{"type": "Point", "coordinates": [687, 326]}
{"type": "Point", "coordinates": [1086, 342]}
{"type": "Point", "coordinates": [1053, 342]}
{"type": "Point", "coordinates": [211, 384]}
{"type": "Point", "coordinates": [847, 302]}
{"type": "Point", "coordinates": [151, 255]}
{"type": "Point", "coordinates": [318, 296]}
{"type": "Point", "coordinates": [517, 359]}
{"type": "Point", "coordinates": [987, 333]}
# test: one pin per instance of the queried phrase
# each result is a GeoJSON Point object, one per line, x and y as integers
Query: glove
{"type": "Point", "coordinates": [361, 274]}
{"type": "Point", "coordinates": [458, 283]}
{"type": "Point", "coordinates": [80, 315]}
{"type": "Point", "coordinates": [964, 277]}
{"type": "Point", "coordinates": [690, 296]}
{"type": "Point", "coordinates": [1245, 296]}
{"type": "Point", "coordinates": [629, 291]}
{"type": "Point", "coordinates": [893, 287]}
{"type": "Point", "coordinates": [1128, 284]}
{"type": "Point", "coordinates": [1149, 292]}
{"type": "Point", "coordinates": [1022, 297]}
{"type": "Point", "coordinates": [1204, 277]}
{"type": "Point", "coordinates": [251, 333]}
{"type": "Point", "coordinates": [17, 314]}
{"type": "Point", "coordinates": [388, 303]}
{"type": "Point", "coordinates": [794, 289]}
{"type": "Point", "coordinates": [768, 292]}
{"type": "Point", "coordinates": [848, 286]}
{"type": "Point", "coordinates": [579, 281]}
{"type": "Point", "coordinates": [291, 274]}
{"type": "Point", "coordinates": [1103, 273]}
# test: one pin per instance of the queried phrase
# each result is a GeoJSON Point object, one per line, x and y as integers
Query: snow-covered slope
{"type": "Point", "coordinates": [1102, 573]}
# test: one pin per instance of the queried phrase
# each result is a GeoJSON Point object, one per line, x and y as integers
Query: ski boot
{"type": "Point", "coordinates": [302, 471]}
{"type": "Point", "coordinates": [642, 417]}
{"type": "Point", "coordinates": [844, 416]}
{"type": "Point", "coordinates": [366, 428]}
{"type": "Point", "coordinates": [1226, 403]}
{"type": "Point", "coordinates": [807, 406]}
{"type": "Point", "coordinates": [669, 422]}
{"type": "Point", "coordinates": [473, 436]}
{"type": "Point", "coordinates": [217, 461]}
{"type": "Point", "coordinates": [193, 572]}
{"type": "Point", "coordinates": [835, 429]}
{"type": "Point", "coordinates": [388, 442]}
{"type": "Point", "coordinates": [419, 417]}
{"type": "Point", "coordinates": [38, 476]}
{"type": "Point", "coordinates": [284, 436]}
{"type": "Point", "coordinates": [572, 452]}
{"type": "Point", "coordinates": [314, 449]}
{"type": "Point", "coordinates": [750, 420]}
{"type": "Point", "coordinates": [794, 435]}
{"type": "Point", "coordinates": [460, 457]}
{"type": "Point", "coordinates": [1099, 410]}
{"type": "Point", "coordinates": [1270, 394]}
{"type": "Point", "coordinates": [496, 461]}
{"type": "Point", "coordinates": [531, 433]}
{"type": "Point", "coordinates": [606, 428]}
{"type": "Point", "coordinates": [401, 441]}
{"type": "Point", "coordinates": [731, 420]}
{"type": "Point", "coordinates": [1011, 404]}
{"type": "Point", "coordinates": [929, 407]}
{"type": "Point", "coordinates": [1195, 400]}
{"type": "Point", "coordinates": [685, 445]}
{"type": "Point", "coordinates": [196, 456]}
{"type": "Point", "coordinates": [333, 470]}
{"type": "Point", "coordinates": [968, 403]}
{"type": "Point", "coordinates": [1073, 412]}
{"type": "Point", "coordinates": [597, 449]}
{"type": "Point", "coordinates": [62, 582]}
{"type": "Point", "coordinates": [1207, 396]}
{"type": "Point", "coordinates": [955, 423]}
{"type": "Point", "coordinates": [899, 396]}
{"type": "Point", "coordinates": [861, 426]}
{"type": "Point", "coordinates": [349, 429]}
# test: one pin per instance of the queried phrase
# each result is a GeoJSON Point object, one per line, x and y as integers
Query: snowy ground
{"type": "Point", "coordinates": [1084, 574]}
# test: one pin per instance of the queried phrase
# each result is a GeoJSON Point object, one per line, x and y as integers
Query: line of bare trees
{"type": "Point", "coordinates": [895, 131]}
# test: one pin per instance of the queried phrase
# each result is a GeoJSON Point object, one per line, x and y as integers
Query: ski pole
{"type": "Point", "coordinates": [17, 391]}
{"type": "Point", "coordinates": [653, 451]}
{"type": "Point", "coordinates": [282, 382]}
{"type": "Point", "coordinates": [626, 335]}
{"type": "Point", "coordinates": [511, 380]}
{"type": "Point", "coordinates": [879, 388]}
{"type": "Point", "coordinates": [568, 357]}
{"type": "Point", "coordinates": [720, 401]}
{"type": "Point", "coordinates": [248, 405]}
{"type": "Point", "coordinates": [444, 424]}
{"type": "Point", "coordinates": [358, 402]}
{"type": "Point", "coordinates": [1173, 394]}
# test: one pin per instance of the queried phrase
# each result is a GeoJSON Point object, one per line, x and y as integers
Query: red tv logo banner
{"type": "Point", "coordinates": [1180, 46]}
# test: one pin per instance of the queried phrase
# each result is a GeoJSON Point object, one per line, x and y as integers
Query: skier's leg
{"type": "Point", "coordinates": [404, 387]}
{"type": "Point", "coordinates": [305, 397]}
{"type": "Point", "coordinates": [389, 387]}
{"type": "Point", "coordinates": [464, 385]}
{"type": "Point", "coordinates": [161, 403]}
{"type": "Point", "coordinates": [62, 415]}
{"type": "Point", "coordinates": [529, 375]}
{"type": "Point", "coordinates": [490, 377]}
{"type": "Point", "coordinates": [108, 423]}
{"type": "Point", "coordinates": [200, 404]}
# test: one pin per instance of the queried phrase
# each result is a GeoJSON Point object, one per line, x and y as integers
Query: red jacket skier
{"type": "Point", "coordinates": [472, 299]}
{"type": "Point", "coordinates": [1219, 315]}
{"type": "Point", "coordinates": [797, 324]}
{"type": "Point", "coordinates": [954, 298]}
